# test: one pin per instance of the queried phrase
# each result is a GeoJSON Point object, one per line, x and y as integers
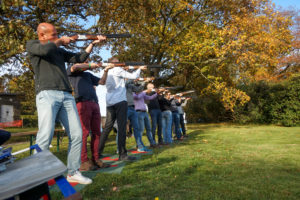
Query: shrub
{"type": "Point", "coordinates": [277, 103]}
{"type": "Point", "coordinates": [30, 121]}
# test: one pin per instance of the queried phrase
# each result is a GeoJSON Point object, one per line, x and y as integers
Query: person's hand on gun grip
{"type": "Point", "coordinates": [143, 67]}
{"type": "Point", "coordinates": [160, 90]}
{"type": "Point", "coordinates": [65, 40]}
{"type": "Point", "coordinates": [100, 39]}
{"type": "Point", "coordinates": [96, 65]}
{"type": "Point", "coordinates": [109, 67]}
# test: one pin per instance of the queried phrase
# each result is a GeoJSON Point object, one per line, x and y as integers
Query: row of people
{"type": "Point", "coordinates": [163, 108]}
{"type": "Point", "coordinates": [80, 115]}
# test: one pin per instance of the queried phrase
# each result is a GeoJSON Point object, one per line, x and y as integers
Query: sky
{"type": "Point", "coordinates": [287, 3]}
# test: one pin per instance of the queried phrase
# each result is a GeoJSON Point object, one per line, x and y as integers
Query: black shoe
{"type": "Point", "coordinates": [127, 158]}
{"type": "Point", "coordinates": [152, 146]}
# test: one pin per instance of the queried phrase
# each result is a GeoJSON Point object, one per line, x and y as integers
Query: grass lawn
{"type": "Point", "coordinates": [217, 161]}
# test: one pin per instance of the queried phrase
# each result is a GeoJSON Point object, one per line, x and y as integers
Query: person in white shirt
{"type": "Point", "coordinates": [116, 103]}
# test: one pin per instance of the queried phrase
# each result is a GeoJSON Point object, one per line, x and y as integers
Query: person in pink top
{"type": "Point", "coordinates": [143, 117]}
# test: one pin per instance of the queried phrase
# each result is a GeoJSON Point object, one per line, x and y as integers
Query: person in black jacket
{"type": "Point", "coordinates": [83, 83]}
{"type": "Point", "coordinates": [53, 92]}
{"type": "Point", "coordinates": [165, 106]}
{"type": "Point", "coordinates": [155, 113]}
{"type": "Point", "coordinates": [176, 117]}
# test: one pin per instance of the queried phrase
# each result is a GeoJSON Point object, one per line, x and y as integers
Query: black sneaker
{"type": "Point", "coordinates": [127, 158]}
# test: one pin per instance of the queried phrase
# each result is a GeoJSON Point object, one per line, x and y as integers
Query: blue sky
{"type": "Point", "coordinates": [287, 3]}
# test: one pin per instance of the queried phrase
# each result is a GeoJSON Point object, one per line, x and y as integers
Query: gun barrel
{"type": "Point", "coordinates": [154, 66]}
{"type": "Point", "coordinates": [123, 35]}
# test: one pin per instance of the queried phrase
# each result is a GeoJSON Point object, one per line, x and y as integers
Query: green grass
{"type": "Point", "coordinates": [217, 161]}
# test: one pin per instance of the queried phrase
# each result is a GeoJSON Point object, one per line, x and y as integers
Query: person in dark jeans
{"type": "Point", "coordinates": [155, 113]}
{"type": "Point", "coordinates": [183, 102]}
{"type": "Point", "coordinates": [175, 118]}
{"type": "Point", "coordinates": [116, 103]}
{"type": "Point", "coordinates": [132, 115]}
{"type": "Point", "coordinates": [165, 106]}
{"type": "Point", "coordinates": [4, 136]}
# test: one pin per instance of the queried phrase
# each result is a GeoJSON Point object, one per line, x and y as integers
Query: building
{"type": "Point", "coordinates": [10, 107]}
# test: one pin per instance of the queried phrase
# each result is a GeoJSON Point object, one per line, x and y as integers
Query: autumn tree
{"type": "Point", "coordinates": [208, 45]}
{"type": "Point", "coordinates": [241, 42]}
{"type": "Point", "coordinates": [289, 63]}
{"type": "Point", "coordinates": [18, 22]}
{"type": "Point", "coordinates": [24, 85]}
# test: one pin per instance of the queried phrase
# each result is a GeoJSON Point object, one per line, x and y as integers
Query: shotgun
{"type": "Point", "coordinates": [131, 65]}
{"type": "Point", "coordinates": [186, 92]}
{"type": "Point", "coordinates": [79, 37]}
{"type": "Point", "coordinates": [174, 87]}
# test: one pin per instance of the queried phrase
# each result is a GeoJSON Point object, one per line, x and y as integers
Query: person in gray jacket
{"type": "Point", "coordinates": [132, 115]}
{"type": "Point", "coordinates": [54, 98]}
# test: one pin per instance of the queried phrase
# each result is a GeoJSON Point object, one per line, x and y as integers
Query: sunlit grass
{"type": "Point", "coordinates": [217, 161]}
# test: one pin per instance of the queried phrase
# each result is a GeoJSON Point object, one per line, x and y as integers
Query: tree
{"type": "Point", "coordinates": [24, 84]}
{"type": "Point", "coordinates": [242, 41]}
{"type": "Point", "coordinates": [19, 20]}
{"type": "Point", "coordinates": [215, 44]}
{"type": "Point", "coordinates": [289, 63]}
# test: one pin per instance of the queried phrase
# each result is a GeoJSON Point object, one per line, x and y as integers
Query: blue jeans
{"type": "Point", "coordinates": [60, 105]}
{"type": "Point", "coordinates": [144, 121]}
{"type": "Point", "coordinates": [176, 123]}
{"type": "Point", "coordinates": [133, 117]}
{"type": "Point", "coordinates": [167, 126]}
{"type": "Point", "coordinates": [156, 122]}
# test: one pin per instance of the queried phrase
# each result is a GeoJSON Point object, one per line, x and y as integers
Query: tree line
{"type": "Point", "coordinates": [217, 47]}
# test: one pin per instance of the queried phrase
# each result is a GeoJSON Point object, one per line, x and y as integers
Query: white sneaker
{"type": "Point", "coordinates": [78, 178]}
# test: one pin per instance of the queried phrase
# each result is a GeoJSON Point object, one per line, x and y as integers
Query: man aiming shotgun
{"type": "Point", "coordinates": [54, 100]}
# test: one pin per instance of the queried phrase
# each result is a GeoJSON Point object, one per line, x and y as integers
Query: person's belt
{"type": "Point", "coordinates": [91, 100]}
{"type": "Point", "coordinates": [140, 110]}
{"type": "Point", "coordinates": [132, 106]}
